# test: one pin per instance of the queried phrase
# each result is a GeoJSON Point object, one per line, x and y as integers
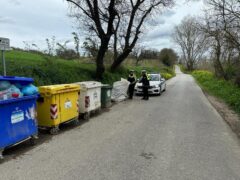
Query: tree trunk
{"type": "Point", "coordinates": [237, 80]}
{"type": "Point", "coordinates": [189, 65]}
{"type": "Point", "coordinates": [99, 60]}
{"type": "Point", "coordinates": [219, 71]}
{"type": "Point", "coordinates": [120, 59]}
{"type": "Point", "coordinates": [115, 47]}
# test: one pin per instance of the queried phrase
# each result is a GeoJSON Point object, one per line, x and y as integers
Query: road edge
{"type": "Point", "coordinates": [229, 115]}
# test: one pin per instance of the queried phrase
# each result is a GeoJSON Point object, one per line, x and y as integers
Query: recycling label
{"type": "Point", "coordinates": [95, 95]}
{"type": "Point", "coordinates": [68, 104]}
{"type": "Point", "coordinates": [108, 93]}
{"type": "Point", "coordinates": [17, 116]}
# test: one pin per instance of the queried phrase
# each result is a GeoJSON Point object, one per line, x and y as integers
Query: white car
{"type": "Point", "coordinates": [157, 85]}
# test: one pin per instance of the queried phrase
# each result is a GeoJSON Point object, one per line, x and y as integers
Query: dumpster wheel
{"type": "Point", "coordinates": [76, 122]}
{"type": "Point", "coordinates": [1, 154]}
{"type": "Point", "coordinates": [86, 116]}
{"type": "Point", "coordinates": [54, 130]}
{"type": "Point", "coordinates": [98, 111]}
{"type": "Point", "coordinates": [33, 140]}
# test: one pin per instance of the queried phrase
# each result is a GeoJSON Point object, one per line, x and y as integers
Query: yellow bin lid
{"type": "Point", "coordinates": [57, 89]}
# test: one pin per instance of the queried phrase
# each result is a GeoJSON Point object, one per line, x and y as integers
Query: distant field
{"type": "Point", "coordinates": [54, 70]}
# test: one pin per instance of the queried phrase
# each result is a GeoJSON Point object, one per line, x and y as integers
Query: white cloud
{"type": "Point", "coordinates": [34, 21]}
{"type": "Point", "coordinates": [159, 36]}
{"type": "Point", "coordinates": [15, 2]}
{"type": "Point", "coordinates": [6, 20]}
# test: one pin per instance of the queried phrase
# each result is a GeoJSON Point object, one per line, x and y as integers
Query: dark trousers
{"type": "Point", "coordinates": [145, 93]}
{"type": "Point", "coordinates": [130, 91]}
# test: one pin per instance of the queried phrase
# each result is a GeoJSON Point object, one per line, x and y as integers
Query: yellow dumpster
{"type": "Point", "coordinates": [57, 104]}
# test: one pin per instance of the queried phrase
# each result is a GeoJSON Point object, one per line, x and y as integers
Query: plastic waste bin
{"type": "Point", "coordinates": [106, 93]}
{"type": "Point", "coordinates": [17, 116]}
{"type": "Point", "coordinates": [90, 98]}
{"type": "Point", "coordinates": [57, 104]}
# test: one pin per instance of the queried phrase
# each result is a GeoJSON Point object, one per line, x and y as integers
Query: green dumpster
{"type": "Point", "coordinates": [106, 93]}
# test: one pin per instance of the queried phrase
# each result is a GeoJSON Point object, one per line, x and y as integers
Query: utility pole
{"type": "Point", "coordinates": [4, 63]}
{"type": "Point", "coordinates": [4, 46]}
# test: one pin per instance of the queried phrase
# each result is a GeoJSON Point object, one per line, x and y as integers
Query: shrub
{"type": "Point", "coordinates": [168, 57]}
{"type": "Point", "coordinates": [166, 75]}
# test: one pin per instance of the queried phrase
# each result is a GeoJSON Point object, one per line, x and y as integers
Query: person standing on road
{"type": "Point", "coordinates": [145, 84]}
{"type": "Point", "coordinates": [132, 80]}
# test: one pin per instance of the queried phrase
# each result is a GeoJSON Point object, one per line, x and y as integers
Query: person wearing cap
{"type": "Point", "coordinates": [132, 80]}
{"type": "Point", "coordinates": [145, 84]}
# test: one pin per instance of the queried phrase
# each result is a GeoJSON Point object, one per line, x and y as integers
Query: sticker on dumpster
{"type": "Point", "coordinates": [31, 113]}
{"type": "Point", "coordinates": [108, 93]}
{"type": "Point", "coordinates": [68, 104]}
{"type": "Point", "coordinates": [95, 95]}
{"type": "Point", "coordinates": [17, 116]}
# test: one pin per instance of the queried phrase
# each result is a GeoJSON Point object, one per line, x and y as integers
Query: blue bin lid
{"type": "Point", "coordinates": [15, 79]}
{"type": "Point", "coordinates": [14, 100]}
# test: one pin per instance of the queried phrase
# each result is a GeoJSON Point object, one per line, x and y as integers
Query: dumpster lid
{"type": "Point", "coordinates": [21, 99]}
{"type": "Point", "coordinates": [89, 84]}
{"type": "Point", "coordinates": [106, 86]}
{"type": "Point", "coordinates": [15, 79]}
{"type": "Point", "coordinates": [57, 89]}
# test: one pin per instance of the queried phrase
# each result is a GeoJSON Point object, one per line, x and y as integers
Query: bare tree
{"type": "Point", "coordinates": [212, 28]}
{"type": "Point", "coordinates": [228, 13]}
{"type": "Point", "coordinates": [98, 16]}
{"type": "Point", "coordinates": [136, 53]}
{"type": "Point", "coordinates": [76, 42]}
{"type": "Point", "coordinates": [122, 19]}
{"type": "Point", "coordinates": [133, 16]}
{"type": "Point", "coordinates": [91, 47]}
{"type": "Point", "coordinates": [191, 41]}
{"type": "Point", "coordinates": [51, 45]}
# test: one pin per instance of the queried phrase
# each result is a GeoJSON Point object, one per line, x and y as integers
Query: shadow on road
{"type": "Point", "coordinates": [21, 149]}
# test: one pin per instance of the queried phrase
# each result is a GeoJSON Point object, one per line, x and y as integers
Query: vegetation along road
{"type": "Point", "coordinates": [178, 135]}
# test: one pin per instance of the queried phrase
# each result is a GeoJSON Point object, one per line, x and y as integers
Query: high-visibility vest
{"type": "Point", "coordinates": [148, 77]}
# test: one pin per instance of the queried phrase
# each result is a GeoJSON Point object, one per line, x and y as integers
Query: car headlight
{"type": "Point", "coordinates": [157, 86]}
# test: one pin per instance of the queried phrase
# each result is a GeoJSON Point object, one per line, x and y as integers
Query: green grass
{"type": "Point", "coordinates": [184, 69]}
{"type": "Point", "coordinates": [51, 70]}
{"type": "Point", "coordinates": [220, 88]}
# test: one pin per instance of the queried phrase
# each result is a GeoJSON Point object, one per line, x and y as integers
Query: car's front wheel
{"type": "Point", "coordinates": [165, 88]}
{"type": "Point", "coordinates": [160, 92]}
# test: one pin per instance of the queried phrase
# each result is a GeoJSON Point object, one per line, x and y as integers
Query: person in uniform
{"type": "Point", "coordinates": [145, 84]}
{"type": "Point", "coordinates": [132, 80]}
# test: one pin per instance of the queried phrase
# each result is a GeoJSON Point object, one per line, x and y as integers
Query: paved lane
{"type": "Point", "coordinates": [177, 136]}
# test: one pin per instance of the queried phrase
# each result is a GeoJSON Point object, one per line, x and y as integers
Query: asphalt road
{"type": "Point", "coordinates": [177, 136]}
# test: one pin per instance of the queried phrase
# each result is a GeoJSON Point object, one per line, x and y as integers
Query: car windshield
{"type": "Point", "coordinates": [154, 77]}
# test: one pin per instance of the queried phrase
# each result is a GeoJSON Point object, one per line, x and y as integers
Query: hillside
{"type": "Point", "coordinates": [52, 70]}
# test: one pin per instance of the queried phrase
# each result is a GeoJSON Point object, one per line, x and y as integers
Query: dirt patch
{"type": "Point", "coordinates": [230, 116]}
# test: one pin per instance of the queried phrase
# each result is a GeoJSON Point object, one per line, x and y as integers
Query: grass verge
{"type": "Point", "coordinates": [53, 70]}
{"type": "Point", "coordinates": [220, 88]}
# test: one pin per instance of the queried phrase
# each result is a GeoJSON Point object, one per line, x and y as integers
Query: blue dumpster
{"type": "Point", "coordinates": [17, 116]}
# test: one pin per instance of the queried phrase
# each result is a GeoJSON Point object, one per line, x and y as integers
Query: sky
{"type": "Point", "coordinates": [33, 21]}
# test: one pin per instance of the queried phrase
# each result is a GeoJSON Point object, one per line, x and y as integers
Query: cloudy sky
{"type": "Point", "coordinates": [35, 20]}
